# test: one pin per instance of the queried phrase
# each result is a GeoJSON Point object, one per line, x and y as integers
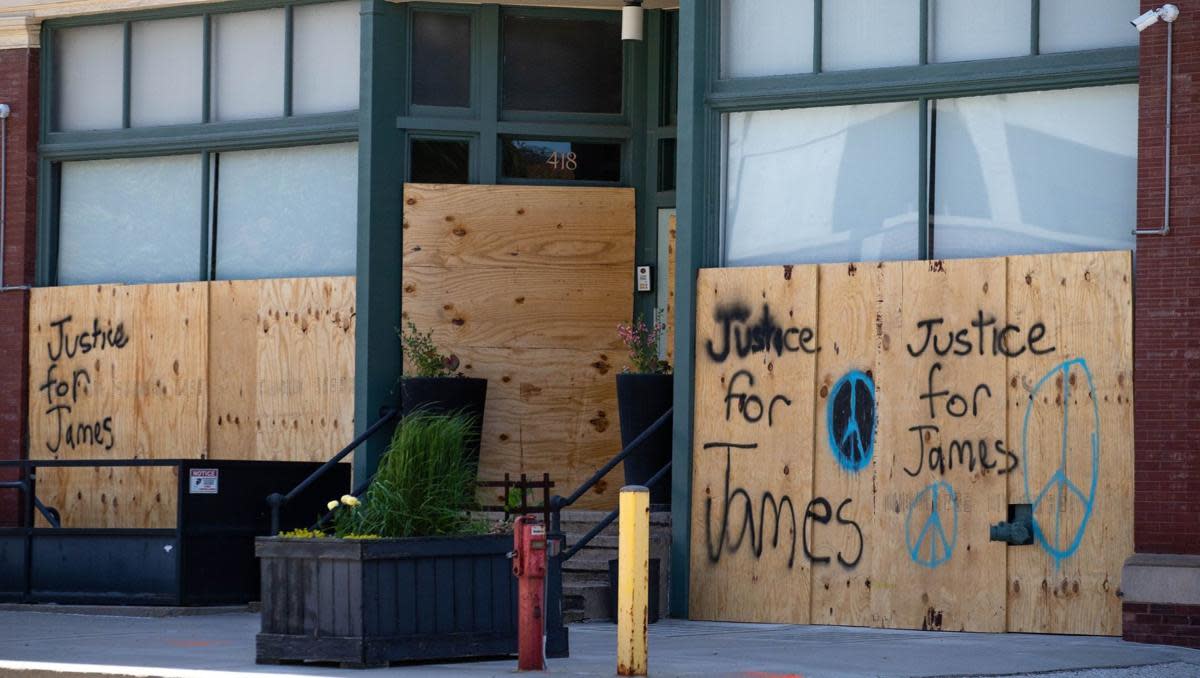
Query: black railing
{"type": "Point", "coordinates": [557, 641]}
{"type": "Point", "coordinates": [277, 501]}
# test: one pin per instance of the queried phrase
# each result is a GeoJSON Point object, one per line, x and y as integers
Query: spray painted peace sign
{"type": "Point", "coordinates": [850, 419]}
{"type": "Point", "coordinates": [1060, 487]}
{"type": "Point", "coordinates": [930, 545]}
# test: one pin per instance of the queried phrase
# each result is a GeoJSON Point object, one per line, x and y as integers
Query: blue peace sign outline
{"type": "Point", "coordinates": [932, 524]}
{"type": "Point", "coordinates": [854, 380]}
{"type": "Point", "coordinates": [1059, 479]}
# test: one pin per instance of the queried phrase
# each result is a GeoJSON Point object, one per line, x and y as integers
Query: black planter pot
{"type": "Point", "coordinates": [641, 400]}
{"type": "Point", "coordinates": [372, 602]}
{"type": "Point", "coordinates": [446, 395]}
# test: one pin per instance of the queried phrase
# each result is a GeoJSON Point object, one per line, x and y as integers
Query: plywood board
{"type": "Point", "coordinates": [304, 404]}
{"type": "Point", "coordinates": [844, 463]}
{"type": "Point", "coordinates": [519, 228]}
{"type": "Point", "coordinates": [939, 473]}
{"type": "Point", "coordinates": [944, 393]}
{"type": "Point", "coordinates": [527, 285]}
{"type": "Point", "coordinates": [1071, 417]}
{"type": "Point", "coordinates": [132, 372]}
{"type": "Point", "coordinates": [752, 461]}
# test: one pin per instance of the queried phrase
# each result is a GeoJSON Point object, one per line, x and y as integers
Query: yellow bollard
{"type": "Point", "coordinates": [633, 585]}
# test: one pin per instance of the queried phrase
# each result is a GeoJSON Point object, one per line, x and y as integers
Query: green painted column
{"type": "Point", "coordinates": [697, 240]}
{"type": "Point", "coordinates": [380, 214]}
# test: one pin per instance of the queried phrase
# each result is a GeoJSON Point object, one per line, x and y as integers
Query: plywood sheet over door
{"type": "Point", "coordinates": [527, 285]}
{"type": "Point", "coordinates": [942, 392]}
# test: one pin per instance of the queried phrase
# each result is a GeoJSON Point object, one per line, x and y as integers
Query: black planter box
{"type": "Point", "coordinates": [371, 602]}
{"type": "Point", "coordinates": [641, 400]}
{"type": "Point", "coordinates": [446, 395]}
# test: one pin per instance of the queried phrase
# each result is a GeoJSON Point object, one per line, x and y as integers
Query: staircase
{"type": "Point", "coordinates": [585, 576]}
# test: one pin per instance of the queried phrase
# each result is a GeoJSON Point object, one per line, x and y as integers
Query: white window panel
{"type": "Point", "coordinates": [287, 212]}
{"type": "Point", "coordinates": [1036, 172]}
{"type": "Point", "coordinates": [167, 72]}
{"type": "Point", "coordinates": [1070, 25]}
{"type": "Point", "coordinates": [130, 220]}
{"type": "Point", "coordinates": [822, 185]}
{"type": "Point", "coordinates": [247, 65]}
{"type": "Point", "coordinates": [325, 57]}
{"type": "Point", "coordinates": [963, 30]}
{"type": "Point", "coordinates": [870, 35]}
{"type": "Point", "coordinates": [89, 77]}
{"type": "Point", "coordinates": [766, 37]}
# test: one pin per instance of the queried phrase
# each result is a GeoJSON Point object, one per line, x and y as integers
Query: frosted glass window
{"type": "Point", "coordinates": [822, 185]}
{"type": "Point", "coordinates": [89, 77]}
{"type": "Point", "coordinates": [1036, 172]}
{"type": "Point", "coordinates": [766, 37]}
{"type": "Point", "coordinates": [961, 30]}
{"type": "Point", "coordinates": [247, 65]}
{"type": "Point", "coordinates": [287, 212]}
{"type": "Point", "coordinates": [130, 220]}
{"type": "Point", "coordinates": [166, 83]}
{"type": "Point", "coordinates": [1068, 25]}
{"type": "Point", "coordinates": [880, 33]}
{"type": "Point", "coordinates": [325, 57]}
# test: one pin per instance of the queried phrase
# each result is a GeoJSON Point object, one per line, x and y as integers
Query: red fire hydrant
{"type": "Point", "coordinates": [529, 565]}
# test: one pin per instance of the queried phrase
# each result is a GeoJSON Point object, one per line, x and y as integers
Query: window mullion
{"type": "Point", "coordinates": [818, 14]}
{"type": "Point", "coordinates": [206, 72]}
{"type": "Point", "coordinates": [1035, 27]}
{"type": "Point", "coordinates": [923, 41]}
{"type": "Point", "coordinates": [288, 54]}
{"type": "Point", "coordinates": [127, 76]}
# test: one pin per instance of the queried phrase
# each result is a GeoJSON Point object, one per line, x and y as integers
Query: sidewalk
{"type": "Point", "coordinates": [57, 645]}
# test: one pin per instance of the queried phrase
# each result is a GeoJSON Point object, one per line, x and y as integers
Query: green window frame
{"type": "Point", "coordinates": [206, 138]}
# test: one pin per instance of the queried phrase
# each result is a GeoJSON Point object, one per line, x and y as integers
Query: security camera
{"type": "Point", "coordinates": [1167, 13]}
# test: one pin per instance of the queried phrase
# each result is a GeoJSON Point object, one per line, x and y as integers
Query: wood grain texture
{"type": "Point", "coordinates": [527, 285]}
{"type": "Point", "coordinates": [752, 457]}
{"type": "Point", "coordinates": [995, 382]}
{"type": "Point", "coordinates": [841, 589]}
{"type": "Point", "coordinates": [1085, 387]}
{"type": "Point", "coordinates": [941, 574]}
{"type": "Point", "coordinates": [144, 365]}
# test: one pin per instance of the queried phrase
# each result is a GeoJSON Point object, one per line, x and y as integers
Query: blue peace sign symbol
{"type": "Point", "coordinates": [1059, 486]}
{"type": "Point", "coordinates": [850, 419]}
{"type": "Point", "coordinates": [931, 546]}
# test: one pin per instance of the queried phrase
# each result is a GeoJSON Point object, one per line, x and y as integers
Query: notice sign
{"type": "Point", "coordinates": [203, 481]}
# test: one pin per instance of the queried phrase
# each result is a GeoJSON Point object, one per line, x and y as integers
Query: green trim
{"type": "Point", "coordinates": [489, 94]}
{"type": "Point", "coordinates": [207, 259]}
{"type": "Point", "coordinates": [923, 32]}
{"type": "Point", "coordinates": [289, 48]}
{"type": "Point", "coordinates": [127, 74]}
{"type": "Point", "coordinates": [697, 246]}
{"type": "Point", "coordinates": [206, 73]}
{"type": "Point", "coordinates": [242, 134]}
{"type": "Point", "coordinates": [923, 207]}
{"type": "Point", "coordinates": [818, 35]}
{"type": "Point", "coordinates": [942, 80]}
{"type": "Point", "coordinates": [380, 213]}
{"type": "Point", "coordinates": [1035, 27]}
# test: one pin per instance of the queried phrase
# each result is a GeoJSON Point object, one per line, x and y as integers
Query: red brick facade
{"type": "Point", "coordinates": [1167, 299]}
{"type": "Point", "coordinates": [18, 89]}
{"type": "Point", "coordinates": [1165, 624]}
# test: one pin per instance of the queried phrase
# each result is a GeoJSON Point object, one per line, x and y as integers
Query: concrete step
{"type": "Point", "coordinates": [585, 601]}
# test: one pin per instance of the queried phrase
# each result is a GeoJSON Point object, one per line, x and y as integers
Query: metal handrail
{"type": "Point", "coordinates": [608, 520]}
{"type": "Point", "coordinates": [558, 503]}
{"type": "Point", "coordinates": [277, 501]}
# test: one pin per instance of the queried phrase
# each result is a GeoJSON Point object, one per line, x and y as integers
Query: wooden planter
{"type": "Point", "coordinates": [371, 602]}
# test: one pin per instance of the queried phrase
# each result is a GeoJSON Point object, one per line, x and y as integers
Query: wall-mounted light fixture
{"type": "Point", "coordinates": [633, 19]}
{"type": "Point", "coordinates": [1168, 13]}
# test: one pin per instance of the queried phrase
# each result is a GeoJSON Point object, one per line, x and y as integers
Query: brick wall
{"type": "Point", "coordinates": [18, 89]}
{"type": "Point", "coordinates": [1167, 299]}
{"type": "Point", "coordinates": [1165, 624]}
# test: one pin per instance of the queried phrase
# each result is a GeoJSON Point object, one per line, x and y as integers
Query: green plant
{"type": "Point", "coordinates": [642, 341]}
{"type": "Point", "coordinates": [422, 354]}
{"type": "Point", "coordinates": [425, 484]}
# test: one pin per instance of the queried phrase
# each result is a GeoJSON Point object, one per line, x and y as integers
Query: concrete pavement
{"type": "Point", "coordinates": [44, 645]}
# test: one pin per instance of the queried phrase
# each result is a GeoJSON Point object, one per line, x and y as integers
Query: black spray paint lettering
{"type": "Point", "coordinates": [749, 405]}
{"type": "Point", "coordinates": [63, 394]}
{"type": "Point", "coordinates": [820, 511]}
{"type": "Point", "coordinates": [738, 334]}
{"type": "Point", "coordinates": [967, 453]}
{"type": "Point", "coordinates": [964, 341]}
{"type": "Point", "coordinates": [757, 542]}
{"type": "Point", "coordinates": [956, 403]}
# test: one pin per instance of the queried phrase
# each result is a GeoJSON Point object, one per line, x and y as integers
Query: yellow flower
{"type": "Point", "coordinates": [349, 500]}
{"type": "Point", "coordinates": [332, 505]}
